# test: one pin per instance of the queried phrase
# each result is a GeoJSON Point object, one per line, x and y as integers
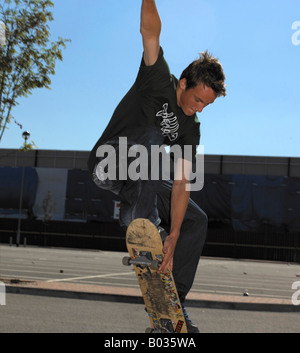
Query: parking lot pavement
{"type": "Point", "coordinates": [38, 314]}
{"type": "Point", "coordinates": [100, 275]}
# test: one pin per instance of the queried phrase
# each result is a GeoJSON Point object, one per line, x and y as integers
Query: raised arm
{"type": "Point", "coordinates": [150, 30]}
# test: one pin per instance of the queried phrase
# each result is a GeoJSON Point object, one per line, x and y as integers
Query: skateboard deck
{"type": "Point", "coordinates": [159, 291]}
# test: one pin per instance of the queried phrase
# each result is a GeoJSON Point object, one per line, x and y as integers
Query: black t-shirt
{"type": "Point", "coordinates": [152, 102]}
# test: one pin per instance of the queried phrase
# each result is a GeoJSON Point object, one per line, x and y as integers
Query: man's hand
{"type": "Point", "coordinates": [168, 250]}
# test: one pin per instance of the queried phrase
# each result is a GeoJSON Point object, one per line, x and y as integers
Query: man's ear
{"type": "Point", "coordinates": [182, 84]}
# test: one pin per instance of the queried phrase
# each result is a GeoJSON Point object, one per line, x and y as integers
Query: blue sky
{"type": "Point", "coordinates": [253, 40]}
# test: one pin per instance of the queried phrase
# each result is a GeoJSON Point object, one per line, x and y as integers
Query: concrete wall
{"type": "Point", "coordinates": [214, 164]}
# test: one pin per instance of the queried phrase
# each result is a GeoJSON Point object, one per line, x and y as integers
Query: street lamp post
{"type": "Point", "coordinates": [25, 136]}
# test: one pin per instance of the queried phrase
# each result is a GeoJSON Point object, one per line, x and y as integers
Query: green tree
{"type": "Point", "coordinates": [27, 56]}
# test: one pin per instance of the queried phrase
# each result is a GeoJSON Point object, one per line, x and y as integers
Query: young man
{"type": "Point", "coordinates": [160, 110]}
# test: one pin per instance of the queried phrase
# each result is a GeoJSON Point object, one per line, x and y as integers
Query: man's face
{"type": "Point", "coordinates": [194, 100]}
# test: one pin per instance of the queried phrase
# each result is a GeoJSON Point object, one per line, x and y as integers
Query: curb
{"type": "Point", "coordinates": [133, 296]}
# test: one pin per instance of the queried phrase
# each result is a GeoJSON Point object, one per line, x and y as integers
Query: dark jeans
{"type": "Point", "coordinates": [151, 199]}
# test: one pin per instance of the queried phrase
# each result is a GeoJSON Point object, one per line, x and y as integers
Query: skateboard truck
{"type": "Point", "coordinates": [144, 260]}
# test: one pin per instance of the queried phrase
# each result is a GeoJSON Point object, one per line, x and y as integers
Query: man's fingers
{"type": "Point", "coordinates": [166, 265]}
{"type": "Point", "coordinates": [168, 251]}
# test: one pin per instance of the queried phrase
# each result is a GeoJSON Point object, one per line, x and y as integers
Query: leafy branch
{"type": "Point", "coordinates": [28, 57]}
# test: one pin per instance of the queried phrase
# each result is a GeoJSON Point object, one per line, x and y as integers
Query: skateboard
{"type": "Point", "coordinates": [160, 295]}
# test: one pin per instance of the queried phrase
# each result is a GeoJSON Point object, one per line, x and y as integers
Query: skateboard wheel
{"type": "Point", "coordinates": [155, 265]}
{"type": "Point", "coordinates": [126, 261]}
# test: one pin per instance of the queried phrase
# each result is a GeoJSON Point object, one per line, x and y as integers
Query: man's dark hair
{"type": "Point", "coordinates": [208, 70]}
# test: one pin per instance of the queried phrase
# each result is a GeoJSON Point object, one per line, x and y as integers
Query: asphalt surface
{"type": "Point", "coordinates": [40, 282]}
{"type": "Point", "coordinates": [47, 314]}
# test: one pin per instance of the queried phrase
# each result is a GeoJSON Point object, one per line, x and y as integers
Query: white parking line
{"type": "Point", "coordinates": [87, 277]}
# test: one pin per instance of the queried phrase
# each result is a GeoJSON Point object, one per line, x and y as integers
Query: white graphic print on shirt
{"type": "Point", "coordinates": [169, 123]}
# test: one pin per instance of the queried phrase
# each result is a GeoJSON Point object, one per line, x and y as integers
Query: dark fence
{"type": "Point", "coordinates": [222, 240]}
